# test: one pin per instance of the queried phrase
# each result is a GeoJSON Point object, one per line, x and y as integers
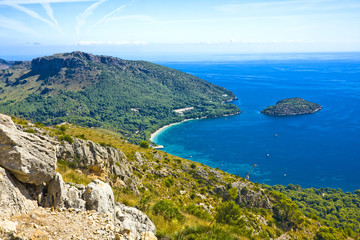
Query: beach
{"type": "Point", "coordinates": [154, 134]}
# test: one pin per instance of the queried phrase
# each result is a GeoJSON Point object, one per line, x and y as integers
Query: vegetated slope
{"type": "Point", "coordinates": [188, 200]}
{"type": "Point", "coordinates": [291, 106]}
{"type": "Point", "coordinates": [331, 207]}
{"type": "Point", "coordinates": [135, 97]}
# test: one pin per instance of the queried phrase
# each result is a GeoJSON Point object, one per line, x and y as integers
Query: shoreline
{"type": "Point", "coordinates": [157, 132]}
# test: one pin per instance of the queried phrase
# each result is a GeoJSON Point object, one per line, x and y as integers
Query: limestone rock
{"type": "Point", "coordinates": [147, 236]}
{"type": "Point", "coordinates": [134, 220]}
{"type": "Point", "coordinates": [14, 197]}
{"type": "Point", "coordinates": [139, 158]}
{"type": "Point", "coordinates": [89, 154]}
{"type": "Point", "coordinates": [62, 195]}
{"type": "Point", "coordinates": [250, 198]}
{"type": "Point", "coordinates": [99, 197]}
{"type": "Point", "coordinates": [7, 228]}
{"type": "Point", "coordinates": [29, 157]}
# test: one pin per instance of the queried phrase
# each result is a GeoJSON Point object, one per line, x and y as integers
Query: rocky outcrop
{"type": "Point", "coordinates": [30, 158]}
{"type": "Point", "coordinates": [14, 197]}
{"type": "Point", "coordinates": [99, 197]}
{"type": "Point", "coordinates": [64, 195]}
{"type": "Point", "coordinates": [133, 220]}
{"type": "Point", "coordinates": [106, 160]}
{"type": "Point", "coordinates": [248, 197]}
{"type": "Point", "coordinates": [28, 179]}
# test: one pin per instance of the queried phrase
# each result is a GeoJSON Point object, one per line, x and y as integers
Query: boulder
{"type": "Point", "coordinates": [99, 197]}
{"type": "Point", "coordinates": [134, 221]}
{"type": "Point", "coordinates": [62, 195]}
{"type": "Point", "coordinates": [29, 157]}
{"type": "Point", "coordinates": [14, 197]}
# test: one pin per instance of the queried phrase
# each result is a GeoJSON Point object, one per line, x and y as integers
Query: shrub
{"type": "Point", "coordinates": [230, 213]}
{"type": "Point", "coordinates": [30, 130]}
{"type": "Point", "coordinates": [169, 182]}
{"type": "Point", "coordinates": [198, 212]}
{"type": "Point", "coordinates": [168, 210]}
{"type": "Point", "coordinates": [144, 144]}
{"type": "Point", "coordinates": [67, 138]}
{"type": "Point", "coordinates": [63, 128]}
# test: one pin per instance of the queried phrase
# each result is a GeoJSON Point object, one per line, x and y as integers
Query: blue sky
{"type": "Point", "coordinates": [140, 27]}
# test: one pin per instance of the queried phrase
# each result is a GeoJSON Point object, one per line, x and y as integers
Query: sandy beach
{"type": "Point", "coordinates": [153, 135]}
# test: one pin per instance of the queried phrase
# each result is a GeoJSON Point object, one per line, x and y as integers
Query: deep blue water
{"type": "Point", "coordinates": [316, 150]}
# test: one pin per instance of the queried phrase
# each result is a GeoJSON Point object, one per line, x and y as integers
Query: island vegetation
{"type": "Point", "coordinates": [291, 106]}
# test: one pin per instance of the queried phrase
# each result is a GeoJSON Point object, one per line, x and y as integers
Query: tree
{"type": "Point", "coordinates": [144, 144]}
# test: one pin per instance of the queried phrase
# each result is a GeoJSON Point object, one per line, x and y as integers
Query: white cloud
{"type": "Point", "coordinates": [15, 25]}
{"type": "Point", "coordinates": [24, 2]}
{"type": "Point", "coordinates": [132, 17]}
{"type": "Point", "coordinates": [109, 15]}
{"type": "Point", "coordinates": [50, 13]}
{"type": "Point", "coordinates": [81, 18]}
{"type": "Point", "coordinates": [31, 13]}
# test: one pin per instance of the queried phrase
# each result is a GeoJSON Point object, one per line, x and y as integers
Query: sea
{"type": "Point", "coordinates": [316, 150]}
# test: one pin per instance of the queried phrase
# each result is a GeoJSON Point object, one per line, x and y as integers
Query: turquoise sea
{"type": "Point", "coordinates": [316, 150]}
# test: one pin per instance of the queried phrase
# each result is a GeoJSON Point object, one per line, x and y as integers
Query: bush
{"type": "Point", "coordinates": [230, 213]}
{"type": "Point", "coordinates": [144, 144]}
{"type": "Point", "coordinates": [30, 130]}
{"type": "Point", "coordinates": [39, 125]}
{"type": "Point", "coordinates": [67, 138]}
{"type": "Point", "coordinates": [169, 182]}
{"type": "Point", "coordinates": [198, 212]}
{"type": "Point", "coordinates": [63, 128]}
{"type": "Point", "coordinates": [168, 210]}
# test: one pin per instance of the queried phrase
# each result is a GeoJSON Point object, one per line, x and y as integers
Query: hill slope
{"type": "Point", "coordinates": [134, 96]}
{"type": "Point", "coordinates": [184, 199]}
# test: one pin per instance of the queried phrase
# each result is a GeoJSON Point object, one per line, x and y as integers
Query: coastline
{"type": "Point", "coordinates": [157, 132]}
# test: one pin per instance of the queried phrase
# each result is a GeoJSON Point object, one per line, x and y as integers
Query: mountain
{"type": "Point", "coordinates": [134, 97]}
{"type": "Point", "coordinates": [5, 64]}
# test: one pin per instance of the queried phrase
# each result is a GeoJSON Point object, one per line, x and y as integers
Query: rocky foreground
{"type": "Point", "coordinates": [291, 106]}
{"type": "Point", "coordinates": [35, 202]}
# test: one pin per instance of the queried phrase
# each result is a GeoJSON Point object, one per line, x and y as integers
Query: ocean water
{"type": "Point", "coordinates": [315, 150]}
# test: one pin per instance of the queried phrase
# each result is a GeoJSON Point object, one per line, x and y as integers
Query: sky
{"type": "Point", "coordinates": [140, 28]}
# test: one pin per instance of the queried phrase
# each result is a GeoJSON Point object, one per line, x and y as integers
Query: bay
{"type": "Point", "coordinates": [315, 150]}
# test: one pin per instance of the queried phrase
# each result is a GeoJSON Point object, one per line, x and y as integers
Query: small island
{"type": "Point", "coordinates": [291, 106]}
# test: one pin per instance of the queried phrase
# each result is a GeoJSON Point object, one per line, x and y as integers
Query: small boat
{"type": "Point", "coordinates": [267, 155]}
{"type": "Point", "coordinates": [276, 135]}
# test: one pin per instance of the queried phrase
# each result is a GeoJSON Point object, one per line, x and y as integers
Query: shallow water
{"type": "Point", "coordinates": [316, 150]}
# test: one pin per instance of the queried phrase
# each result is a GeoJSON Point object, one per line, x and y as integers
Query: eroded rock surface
{"type": "Point", "coordinates": [14, 197]}
{"type": "Point", "coordinates": [30, 158]}
{"type": "Point", "coordinates": [28, 180]}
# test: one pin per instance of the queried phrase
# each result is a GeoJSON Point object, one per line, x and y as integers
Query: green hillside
{"type": "Point", "coordinates": [188, 200]}
{"type": "Point", "coordinates": [133, 97]}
